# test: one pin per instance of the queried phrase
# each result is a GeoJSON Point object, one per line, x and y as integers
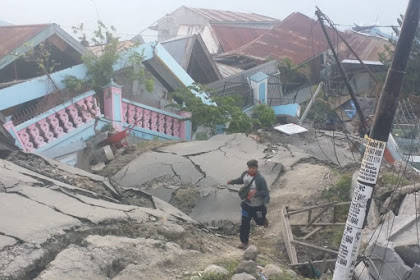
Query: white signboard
{"type": "Point", "coordinates": [371, 162]}
{"type": "Point", "coordinates": [290, 129]}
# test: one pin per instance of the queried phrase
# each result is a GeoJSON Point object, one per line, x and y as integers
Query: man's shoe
{"type": "Point", "coordinates": [242, 246]}
{"type": "Point", "coordinates": [266, 223]}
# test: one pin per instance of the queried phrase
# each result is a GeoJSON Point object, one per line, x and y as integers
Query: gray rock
{"type": "Point", "coordinates": [247, 267]}
{"type": "Point", "coordinates": [243, 276]}
{"type": "Point", "coordinates": [251, 253]}
{"type": "Point", "coordinates": [214, 269]}
{"type": "Point", "coordinates": [272, 271]}
{"type": "Point", "coordinates": [171, 231]}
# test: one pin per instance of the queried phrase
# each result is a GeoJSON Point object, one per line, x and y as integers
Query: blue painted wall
{"type": "Point", "coordinates": [289, 109]}
{"type": "Point", "coordinates": [262, 93]}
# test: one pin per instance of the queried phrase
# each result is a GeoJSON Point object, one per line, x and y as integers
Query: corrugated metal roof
{"type": "Point", "coordinates": [14, 36]}
{"type": "Point", "coordinates": [227, 70]}
{"type": "Point", "coordinates": [232, 38]}
{"type": "Point", "coordinates": [228, 16]}
{"type": "Point", "coordinates": [367, 47]}
{"type": "Point", "coordinates": [297, 37]}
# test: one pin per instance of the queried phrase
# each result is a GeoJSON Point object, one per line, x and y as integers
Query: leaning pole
{"type": "Point", "coordinates": [372, 159]}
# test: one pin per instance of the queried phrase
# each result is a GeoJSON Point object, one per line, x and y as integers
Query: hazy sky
{"type": "Point", "coordinates": [132, 16]}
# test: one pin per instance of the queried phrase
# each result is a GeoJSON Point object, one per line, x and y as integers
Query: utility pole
{"type": "Point", "coordinates": [342, 71]}
{"type": "Point", "coordinates": [371, 74]}
{"type": "Point", "coordinates": [369, 170]}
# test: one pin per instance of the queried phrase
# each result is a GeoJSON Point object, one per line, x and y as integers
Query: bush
{"type": "Point", "coordinates": [265, 115]}
{"type": "Point", "coordinates": [201, 136]}
{"type": "Point", "coordinates": [339, 192]}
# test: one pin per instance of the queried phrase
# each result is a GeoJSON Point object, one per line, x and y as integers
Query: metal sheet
{"type": "Point", "coordinates": [228, 16]}
{"type": "Point", "coordinates": [298, 37]}
{"type": "Point", "coordinates": [14, 36]}
{"type": "Point", "coordinates": [232, 38]}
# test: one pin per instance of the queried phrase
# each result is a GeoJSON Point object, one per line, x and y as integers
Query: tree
{"type": "Point", "coordinates": [292, 76]}
{"type": "Point", "coordinates": [411, 84]}
{"type": "Point", "coordinates": [228, 110]}
{"type": "Point", "coordinates": [100, 67]}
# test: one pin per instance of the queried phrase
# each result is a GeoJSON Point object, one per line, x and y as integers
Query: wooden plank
{"type": "Point", "coordinates": [311, 233]}
{"type": "Point", "coordinates": [314, 247]}
{"type": "Point", "coordinates": [329, 204]}
{"type": "Point", "coordinates": [314, 262]}
{"type": "Point", "coordinates": [318, 216]}
{"type": "Point", "coordinates": [319, 224]}
{"type": "Point", "coordinates": [288, 236]}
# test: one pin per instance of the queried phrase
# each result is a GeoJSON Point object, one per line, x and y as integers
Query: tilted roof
{"type": "Point", "coordinates": [228, 16]}
{"type": "Point", "coordinates": [298, 37]}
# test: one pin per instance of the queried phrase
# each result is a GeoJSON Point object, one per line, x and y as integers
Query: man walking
{"type": "Point", "coordinates": [254, 205]}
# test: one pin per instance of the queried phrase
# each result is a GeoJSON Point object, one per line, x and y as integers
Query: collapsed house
{"type": "Point", "coordinates": [215, 27]}
{"type": "Point", "coordinates": [45, 117]}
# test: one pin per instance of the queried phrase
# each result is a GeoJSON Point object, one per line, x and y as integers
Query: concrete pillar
{"type": "Point", "coordinates": [259, 85]}
{"type": "Point", "coordinates": [113, 104]}
{"type": "Point", "coordinates": [10, 127]}
{"type": "Point", "coordinates": [185, 128]}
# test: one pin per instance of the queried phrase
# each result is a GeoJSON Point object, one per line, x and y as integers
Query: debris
{"type": "Point", "coordinates": [103, 154]}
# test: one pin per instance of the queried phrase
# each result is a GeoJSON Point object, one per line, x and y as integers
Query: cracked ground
{"type": "Point", "coordinates": [54, 230]}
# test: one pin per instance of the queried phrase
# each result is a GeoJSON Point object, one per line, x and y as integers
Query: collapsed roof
{"type": "Point", "coordinates": [16, 41]}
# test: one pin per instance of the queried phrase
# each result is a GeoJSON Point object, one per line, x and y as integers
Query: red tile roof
{"type": "Point", "coordinates": [232, 38]}
{"type": "Point", "coordinates": [227, 16]}
{"type": "Point", "coordinates": [13, 36]}
{"type": "Point", "coordinates": [367, 47]}
{"type": "Point", "coordinates": [297, 37]}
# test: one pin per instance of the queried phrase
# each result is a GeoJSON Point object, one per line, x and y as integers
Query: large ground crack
{"type": "Point", "coordinates": [198, 168]}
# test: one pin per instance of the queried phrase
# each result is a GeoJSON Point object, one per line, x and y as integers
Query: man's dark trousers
{"type": "Point", "coordinates": [257, 213]}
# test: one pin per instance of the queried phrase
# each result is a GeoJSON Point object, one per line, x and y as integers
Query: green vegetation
{"type": "Point", "coordinates": [214, 276]}
{"type": "Point", "coordinates": [228, 110]}
{"type": "Point", "coordinates": [264, 115]}
{"type": "Point", "coordinates": [201, 136]}
{"type": "Point", "coordinates": [392, 179]}
{"type": "Point", "coordinates": [292, 75]}
{"type": "Point", "coordinates": [339, 192]}
{"type": "Point", "coordinates": [228, 264]}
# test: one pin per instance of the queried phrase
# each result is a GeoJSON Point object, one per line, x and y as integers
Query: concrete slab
{"type": "Point", "coordinates": [152, 165]}
{"type": "Point", "coordinates": [408, 205]}
{"type": "Point", "coordinates": [386, 260]}
{"type": "Point", "coordinates": [218, 205]}
{"type": "Point", "coordinates": [30, 221]}
{"type": "Point", "coordinates": [71, 206]}
{"type": "Point", "coordinates": [415, 273]}
{"type": "Point", "coordinates": [105, 204]}
{"type": "Point", "coordinates": [171, 210]}
{"type": "Point", "coordinates": [6, 241]}
{"type": "Point", "coordinates": [192, 148]}
{"type": "Point", "coordinates": [72, 263]}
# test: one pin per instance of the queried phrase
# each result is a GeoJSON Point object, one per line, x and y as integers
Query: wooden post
{"type": "Point", "coordinates": [288, 236]}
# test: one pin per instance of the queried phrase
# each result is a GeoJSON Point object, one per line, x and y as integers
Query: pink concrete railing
{"type": "Point", "coordinates": [152, 119]}
{"type": "Point", "coordinates": [57, 122]}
